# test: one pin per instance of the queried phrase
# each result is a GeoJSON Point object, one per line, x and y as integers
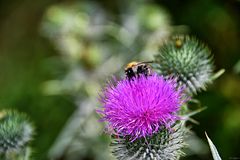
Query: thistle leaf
{"type": "Point", "coordinates": [218, 74]}
{"type": "Point", "coordinates": [213, 149]}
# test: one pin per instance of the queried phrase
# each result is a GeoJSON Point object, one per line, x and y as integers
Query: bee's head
{"type": "Point", "coordinates": [129, 69]}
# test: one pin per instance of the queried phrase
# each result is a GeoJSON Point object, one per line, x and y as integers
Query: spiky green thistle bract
{"type": "Point", "coordinates": [164, 145]}
{"type": "Point", "coordinates": [15, 133]}
{"type": "Point", "coordinates": [187, 59]}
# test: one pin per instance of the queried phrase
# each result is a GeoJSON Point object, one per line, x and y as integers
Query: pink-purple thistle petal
{"type": "Point", "coordinates": [139, 107]}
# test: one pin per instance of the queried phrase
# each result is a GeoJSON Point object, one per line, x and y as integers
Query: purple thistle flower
{"type": "Point", "coordinates": [138, 108]}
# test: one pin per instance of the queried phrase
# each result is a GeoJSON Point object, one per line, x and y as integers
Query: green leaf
{"type": "Point", "coordinates": [213, 149]}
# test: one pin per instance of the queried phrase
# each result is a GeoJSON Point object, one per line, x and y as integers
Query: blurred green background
{"type": "Point", "coordinates": [44, 43]}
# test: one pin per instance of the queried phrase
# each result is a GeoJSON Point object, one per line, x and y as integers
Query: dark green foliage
{"type": "Point", "coordinates": [15, 132]}
{"type": "Point", "coordinates": [167, 144]}
{"type": "Point", "coordinates": [187, 59]}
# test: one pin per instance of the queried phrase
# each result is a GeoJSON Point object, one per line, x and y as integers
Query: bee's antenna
{"type": "Point", "coordinates": [146, 62]}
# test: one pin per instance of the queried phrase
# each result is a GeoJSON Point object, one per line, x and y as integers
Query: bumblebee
{"type": "Point", "coordinates": [135, 69]}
